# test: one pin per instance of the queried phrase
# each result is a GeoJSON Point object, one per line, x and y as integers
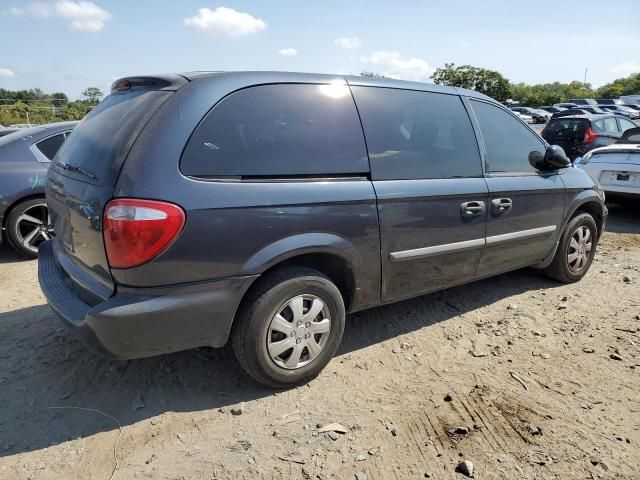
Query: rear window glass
{"type": "Point", "coordinates": [565, 127]}
{"type": "Point", "coordinates": [50, 146]}
{"type": "Point", "coordinates": [100, 142]}
{"type": "Point", "coordinates": [416, 135]}
{"type": "Point", "coordinates": [279, 131]}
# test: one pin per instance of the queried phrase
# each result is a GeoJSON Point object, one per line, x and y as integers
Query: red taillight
{"type": "Point", "coordinates": [589, 136]}
{"type": "Point", "coordinates": [137, 230]}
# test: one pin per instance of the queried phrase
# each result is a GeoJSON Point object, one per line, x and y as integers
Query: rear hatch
{"type": "Point", "coordinates": [568, 133]}
{"type": "Point", "coordinates": [85, 171]}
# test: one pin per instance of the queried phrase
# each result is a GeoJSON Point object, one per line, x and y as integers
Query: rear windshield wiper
{"type": "Point", "coordinates": [74, 168]}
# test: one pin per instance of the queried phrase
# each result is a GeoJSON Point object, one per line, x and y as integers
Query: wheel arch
{"type": "Point", "coordinates": [17, 201]}
{"type": "Point", "coordinates": [589, 203]}
{"type": "Point", "coordinates": [330, 254]}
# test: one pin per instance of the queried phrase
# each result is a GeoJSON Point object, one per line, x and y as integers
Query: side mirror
{"type": "Point", "coordinates": [553, 159]}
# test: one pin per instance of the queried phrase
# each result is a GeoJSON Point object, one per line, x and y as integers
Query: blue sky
{"type": "Point", "coordinates": [67, 45]}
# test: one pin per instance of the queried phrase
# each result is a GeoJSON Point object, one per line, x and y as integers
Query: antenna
{"type": "Point", "coordinates": [585, 77]}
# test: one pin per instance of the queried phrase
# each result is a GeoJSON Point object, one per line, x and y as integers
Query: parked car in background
{"type": "Point", "coordinates": [592, 109]}
{"type": "Point", "coordinates": [622, 110]}
{"type": "Point", "coordinates": [569, 112]}
{"type": "Point", "coordinates": [630, 99]}
{"type": "Point", "coordinates": [24, 157]}
{"type": "Point", "coordinates": [609, 101]}
{"type": "Point", "coordinates": [616, 167]}
{"type": "Point", "coordinates": [524, 117]}
{"type": "Point", "coordinates": [22, 125]}
{"type": "Point", "coordinates": [538, 116]}
{"type": "Point", "coordinates": [6, 131]}
{"type": "Point", "coordinates": [552, 109]}
{"type": "Point", "coordinates": [565, 105]}
{"type": "Point", "coordinates": [583, 101]}
{"type": "Point", "coordinates": [578, 134]}
{"type": "Point", "coordinates": [633, 106]}
{"type": "Point", "coordinates": [275, 203]}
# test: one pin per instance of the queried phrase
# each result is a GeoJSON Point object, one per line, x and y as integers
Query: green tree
{"type": "Point", "coordinates": [489, 82]}
{"type": "Point", "coordinates": [622, 86]}
{"type": "Point", "coordinates": [93, 94]}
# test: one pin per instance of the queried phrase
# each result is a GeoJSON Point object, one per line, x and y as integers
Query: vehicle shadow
{"type": "Point", "coordinates": [8, 255]}
{"type": "Point", "coordinates": [624, 216]}
{"type": "Point", "coordinates": [42, 366]}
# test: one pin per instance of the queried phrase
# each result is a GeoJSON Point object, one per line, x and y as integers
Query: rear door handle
{"type": "Point", "coordinates": [471, 209]}
{"type": "Point", "coordinates": [499, 205]}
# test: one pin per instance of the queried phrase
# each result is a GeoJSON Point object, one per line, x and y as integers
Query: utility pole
{"type": "Point", "coordinates": [584, 83]}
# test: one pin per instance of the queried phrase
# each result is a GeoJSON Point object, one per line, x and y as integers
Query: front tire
{"type": "Point", "coordinates": [28, 225]}
{"type": "Point", "coordinates": [289, 327]}
{"type": "Point", "coordinates": [576, 250]}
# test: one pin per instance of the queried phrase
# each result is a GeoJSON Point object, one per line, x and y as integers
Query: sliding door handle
{"type": "Point", "coordinates": [500, 205]}
{"type": "Point", "coordinates": [471, 209]}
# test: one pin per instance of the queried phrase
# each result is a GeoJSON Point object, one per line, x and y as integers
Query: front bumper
{"type": "Point", "coordinates": [143, 322]}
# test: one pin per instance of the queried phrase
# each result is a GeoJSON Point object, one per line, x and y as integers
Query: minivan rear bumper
{"type": "Point", "coordinates": [142, 322]}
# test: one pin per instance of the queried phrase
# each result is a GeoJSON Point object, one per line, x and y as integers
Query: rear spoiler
{"type": "Point", "coordinates": [168, 82]}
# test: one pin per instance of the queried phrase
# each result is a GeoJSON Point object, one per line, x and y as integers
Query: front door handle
{"type": "Point", "coordinates": [471, 209]}
{"type": "Point", "coordinates": [500, 205]}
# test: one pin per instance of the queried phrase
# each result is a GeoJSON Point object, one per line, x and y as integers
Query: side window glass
{"type": "Point", "coordinates": [278, 131]}
{"type": "Point", "coordinates": [610, 125]}
{"type": "Point", "coordinates": [417, 135]}
{"type": "Point", "coordinates": [625, 124]}
{"type": "Point", "coordinates": [50, 146]}
{"type": "Point", "coordinates": [507, 141]}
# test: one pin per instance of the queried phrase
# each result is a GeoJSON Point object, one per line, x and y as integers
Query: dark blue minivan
{"type": "Point", "coordinates": [262, 207]}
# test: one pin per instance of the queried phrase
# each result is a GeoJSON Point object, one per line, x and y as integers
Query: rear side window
{"type": "Point", "coordinates": [415, 135]}
{"type": "Point", "coordinates": [101, 142]}
{"type": "Point", "coordinates": [50, 146]}
{"type": "Point", "coordinates": [279, 131]}
{"type": "Point", "coordinates": [605, 125]}
{"type": "Point", "coordinates": [507, 141]}
{"type": "Point", "coordinates": [625, 124]}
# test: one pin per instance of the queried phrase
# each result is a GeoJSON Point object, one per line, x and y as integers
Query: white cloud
{"type": "Point", "coordinates": [6, 73]}
{"type": "Point", "coordinates": [627, 68]}
{"type": "Point", "coordinates": [224, 22]}
{"type": "Point", "coordinates": [82, 15]}
{"type": "Point", "coordinates": [15, 11]}
{"type": "Point", "coordinates": [288, 52]}
{"type": "Point", "coordinates": [348, 42]}
{"type": "Point", "coordinates": [391, 64]}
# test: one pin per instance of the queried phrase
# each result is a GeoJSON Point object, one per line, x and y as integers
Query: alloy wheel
{"type": "Point", "coordinates": [33, 226]}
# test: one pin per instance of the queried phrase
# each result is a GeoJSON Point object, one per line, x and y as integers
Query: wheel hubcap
{"type": "Point", "coordinates": [298, 332]}
{"type": "Point", "coordinates": [33, 227]}
{"type": "Point", "coordinates": [579, 249]}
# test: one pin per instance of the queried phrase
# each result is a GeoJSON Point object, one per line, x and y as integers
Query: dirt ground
{"type": "Point", "coordinates": [543, 378]}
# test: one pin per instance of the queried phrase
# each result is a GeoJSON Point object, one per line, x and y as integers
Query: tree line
{"type": "Point", "coordinates": [495, 85]}
{"type": "Point", "coordinates": [37, 107]}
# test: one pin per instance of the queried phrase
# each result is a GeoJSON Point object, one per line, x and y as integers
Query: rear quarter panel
{"type": "Point", "coordinates": [21, 177]}
{"type": "Point", "coordinates": [243, 228]}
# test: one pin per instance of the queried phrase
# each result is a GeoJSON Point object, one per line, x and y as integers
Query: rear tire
{"type": "Point", "coordinates": [576, 250]}
{"type": "Point", "coordinates": [289, 327]}
{"type": "Point", "coordinates": [28, 226]}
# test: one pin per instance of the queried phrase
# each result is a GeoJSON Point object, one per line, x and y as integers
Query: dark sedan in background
{"type": "Point", "coordinates": [24, 158]}
{"type": "Point", "coordinates": [578, 134]}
